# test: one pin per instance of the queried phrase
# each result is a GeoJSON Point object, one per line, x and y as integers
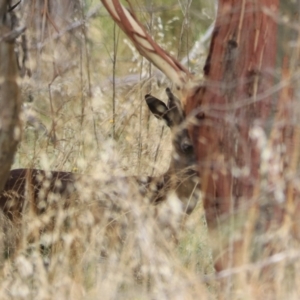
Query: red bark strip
{"type": "Point", "coordinates": [146, 46]}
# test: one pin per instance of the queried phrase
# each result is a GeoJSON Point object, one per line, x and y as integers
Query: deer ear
{"type": "Point", "coordinates": [175, 108]}
{"type": "Point", "coordinates": [158, 108]}
{"type": "Point", "coordinates": [173, 102]}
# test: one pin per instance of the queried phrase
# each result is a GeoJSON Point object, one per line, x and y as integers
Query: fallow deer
{"type": "Point", "coordinates": [181, 177]}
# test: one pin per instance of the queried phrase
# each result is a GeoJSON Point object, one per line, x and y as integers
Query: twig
{"type": "Point", "coordinates": [13, 34]}
{"type": "Point", "coordinates": [71, 27]}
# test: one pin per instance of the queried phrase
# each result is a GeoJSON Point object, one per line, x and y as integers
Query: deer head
{"type": "Point", "coordinates": [182, 171]}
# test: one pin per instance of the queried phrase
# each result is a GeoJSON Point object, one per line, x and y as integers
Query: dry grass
{"type": "Point", "coordinates": [123, 248]}
{"type": "Point", "coordinates": [109, 243]}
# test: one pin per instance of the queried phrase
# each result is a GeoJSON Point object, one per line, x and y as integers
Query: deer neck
{"type": "Point", "coordinates": [185, 183]}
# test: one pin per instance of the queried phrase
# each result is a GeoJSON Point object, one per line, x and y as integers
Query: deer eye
{"type": "Point", "coordinates": [187, 148]}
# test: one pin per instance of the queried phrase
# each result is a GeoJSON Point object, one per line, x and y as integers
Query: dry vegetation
{"type": "Point", "coordinates": [126, 249]}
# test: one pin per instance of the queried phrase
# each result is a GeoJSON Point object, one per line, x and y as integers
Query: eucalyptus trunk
{"type": "Point", "coordinates": [232, 106]}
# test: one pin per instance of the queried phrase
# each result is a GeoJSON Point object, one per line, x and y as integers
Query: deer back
{"type": "Point", "coordinates": [38, 186]}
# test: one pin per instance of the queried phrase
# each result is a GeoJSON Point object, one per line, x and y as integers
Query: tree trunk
{"type": "Point", "coordinates": [10, 130]}
{"type": "Point", "coordinates": [233, 105]}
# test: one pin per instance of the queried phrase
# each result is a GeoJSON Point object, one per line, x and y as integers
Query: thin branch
{"type": "Point", "coordinates": [71, 27]}
{"type": "Point", "coordinates": [13, 34]}
{"type": "Point", "coordinates": [146, 46]}
{"type": "Point", "coordinates": [287, 256]}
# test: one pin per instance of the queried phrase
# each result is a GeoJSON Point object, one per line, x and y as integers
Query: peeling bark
{"type": "Point", "coordinates": [235, 98]}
